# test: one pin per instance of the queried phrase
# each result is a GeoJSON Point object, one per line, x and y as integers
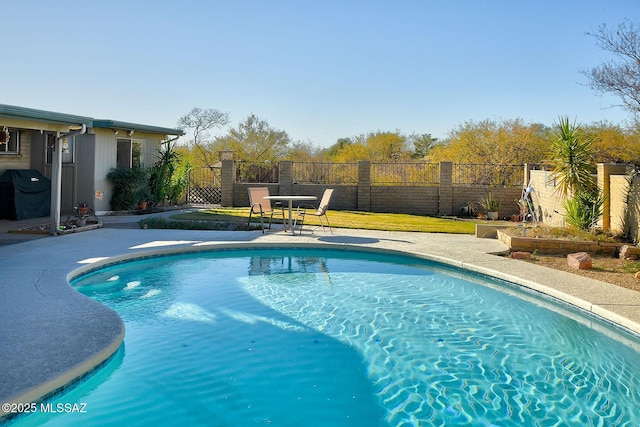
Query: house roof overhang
{"type": "Point", "coordinates": [117, 125]}
{"type": "Point", "coordinates": [43, 116]}
{"type": "Point", "coordinates": [22, 113]}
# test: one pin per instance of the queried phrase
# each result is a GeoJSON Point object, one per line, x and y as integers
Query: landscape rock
{"type": "Point", "coordinates": [520, 255]}
{"type": "Point", "coordinates": [629, 252]}
{"type": "Point", "coordinates": [579, 260]}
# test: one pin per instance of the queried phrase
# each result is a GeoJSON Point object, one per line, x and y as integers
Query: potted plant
{"type": "Point", "coordinates": [83, 208]}
{"type": "Point", "coordinates": [491, 204]}
{"type": "Point", "coordinates": [469, 209]}
{"type": "Point", "coordinates": [144, 197]}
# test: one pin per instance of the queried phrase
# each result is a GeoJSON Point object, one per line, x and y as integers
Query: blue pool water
{"type": "Point", "coordinates": [334, 338]}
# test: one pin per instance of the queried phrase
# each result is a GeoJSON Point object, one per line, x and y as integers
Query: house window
{"type": "Point", "coordinates": [12, 146]}
{"type": "Point", "coordinates": [67, 145]}
{"type": "Point", "coordinates": [130, 153]}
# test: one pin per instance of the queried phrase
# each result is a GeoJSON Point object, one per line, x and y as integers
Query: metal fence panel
{"type": "Point", "coordinates": [249, 172]}
{"type": "Point", "coordinates": [324, 173]}
{"type": "Point", "coordinates": [205, 186]}
{"type": "Point", "coordinates": [408, 173]}
{"type": "Point", "coordinates": [489, 175]}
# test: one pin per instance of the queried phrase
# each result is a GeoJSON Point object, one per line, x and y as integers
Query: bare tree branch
{"type": "Point", "coordinates": [621, 77]}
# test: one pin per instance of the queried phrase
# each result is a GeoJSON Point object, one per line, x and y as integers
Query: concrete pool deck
{"type": "Point", "coordinates": [50, 334]}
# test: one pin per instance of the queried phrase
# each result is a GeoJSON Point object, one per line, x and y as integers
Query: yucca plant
{"type": "Point", "coordinates": [571, 157]}
{"type": "Point", "coordinates": [584, 208]}
{"type": "Point", "coordinates": [163, 173]}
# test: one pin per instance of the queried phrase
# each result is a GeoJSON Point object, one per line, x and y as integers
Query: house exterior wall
{"type": "Point", "coordinates": [31, 154]}
{"type": "Point", "coordinates": [104, 150]}
{"type": "Point", "coordinates": [95, 155]}
{"type": "Point", "coordinates": [38, 150]}
{"type": "Point", "coordinates": [22, 160]}
{"type": "Point", "coordinates": [85, 169]}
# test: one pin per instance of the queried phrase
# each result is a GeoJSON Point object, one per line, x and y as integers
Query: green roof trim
{"type": "Point", "coordinates": [114, 124]}
{"type": "Point", "coordinates": [22, 113]}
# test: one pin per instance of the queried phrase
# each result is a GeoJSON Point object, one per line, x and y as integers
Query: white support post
{"type": "Point", "coordinates": [56, 185]}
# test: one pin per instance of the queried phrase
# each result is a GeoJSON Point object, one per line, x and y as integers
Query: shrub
{"type": "Point", "coordinates": [130, 186]}
{"type": "Point", "coordinates": [584, 209]}
{"type": "Point", "coordinates": [169, 176]}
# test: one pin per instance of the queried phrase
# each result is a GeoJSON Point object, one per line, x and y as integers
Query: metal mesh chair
{"type": "Point", "coordinates": [261, 206]}
{"type": "Point", "coordinates": [320, 211]}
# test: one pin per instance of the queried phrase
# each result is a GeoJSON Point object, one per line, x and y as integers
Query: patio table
{"type": "Point", "coordinates": [290, 200]}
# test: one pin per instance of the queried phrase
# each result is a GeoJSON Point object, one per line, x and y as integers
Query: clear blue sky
{"type": "Point", "coordinates": [319, 70]}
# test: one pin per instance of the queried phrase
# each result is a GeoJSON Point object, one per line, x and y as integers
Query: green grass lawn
{"type": "Point", "coordinates": [338, 219]}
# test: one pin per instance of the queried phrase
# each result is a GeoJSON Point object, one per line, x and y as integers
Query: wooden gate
{"type": "Point", "coordinates": [205, 186]}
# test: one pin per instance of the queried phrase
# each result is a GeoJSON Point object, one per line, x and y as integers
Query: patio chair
{"type": "Point", "coordinates": [320, 211]}
{"type": "Point", "coordinates": [261, 206]}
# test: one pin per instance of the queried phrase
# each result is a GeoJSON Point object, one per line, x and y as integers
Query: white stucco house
{"type": "Point", "coordinates": [76, 152]}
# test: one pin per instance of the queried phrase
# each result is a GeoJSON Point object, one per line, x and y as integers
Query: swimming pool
{"type": "Point", "coordinates": [327, 337]}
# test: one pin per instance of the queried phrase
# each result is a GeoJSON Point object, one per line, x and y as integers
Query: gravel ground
{"type": "Point", "coordinates": [606, 269]}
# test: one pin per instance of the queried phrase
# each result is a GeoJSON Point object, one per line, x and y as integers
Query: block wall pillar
{"type": "Point", "coordinates": [445, 193]}
{"type": "Point", "coordinates": [285, 176]}
{"type": "Point", "coordinates": [364, 185]}
{"type": "Point", "coordinates": [228, 179]}
{"type": "Point", "coordinates": [604, 171]}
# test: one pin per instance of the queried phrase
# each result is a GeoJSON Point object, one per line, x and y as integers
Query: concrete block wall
{"type": "Point", "coordinates": [345, 197]}
{"type": "Point", "coordinates": [634, 210]}
{"type": "Point", "coordinates": [241, 192]}
{"type": "Point", "coordinates": [508, 197]}
{"type": "Point", "coordinates": [447, 199]}
{"type": "Point", "coordinates": [612, 180]}
{"type": "Point", "coordinates": [618, 212]}
{"type": "Point", "coordinates": [546, 198]}
{"type": "Point", "coordinates": [418, 199]}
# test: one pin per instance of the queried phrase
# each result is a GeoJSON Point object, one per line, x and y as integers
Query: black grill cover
{"type": "Point", "coordinates": [24, 194]}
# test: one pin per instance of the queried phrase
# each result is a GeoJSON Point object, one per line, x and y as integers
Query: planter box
{"type": "Point", "coordinates": [557, 246]}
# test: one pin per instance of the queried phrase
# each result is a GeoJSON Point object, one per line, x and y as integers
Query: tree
{"type": "Point", "coordinates": [351, 152]}
{"type": "Point", "coordinates": [491, 142]}
{"type": "Point", "coordinates": [376, 146]}
{"type": "Point", "coordinates": [199, 121]}
{"type": "Point", "coordinates": [332, 151]}
{"type": "Point", "coordinates": [422, 143]}
{"type": "Point", "coordinates": [613, 144]}
{"type": "Point", "coordinates": [622, 77]}
{"type": "Point", "coordinates": [255, 140]}
{"type": "Point", "coordinates": [304, 152]}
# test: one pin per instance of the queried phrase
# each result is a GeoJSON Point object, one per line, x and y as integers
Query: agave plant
{"type": "Point", "coordinates": [571, 158]}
